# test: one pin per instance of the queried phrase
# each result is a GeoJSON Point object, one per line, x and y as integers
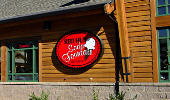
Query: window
{"type": "Point", "coordinates": [164, 54]}
{"type": "Point", "coordinates": [22, 61]}
{"type": "Point", "coordinates": [163, 7]}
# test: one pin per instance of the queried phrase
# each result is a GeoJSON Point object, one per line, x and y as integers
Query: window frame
{"type": "Point", "coordinates": [166, 6]}
{"type": "Point", "coordinates": [168, 48]}
{"type": "Point", "coordinates": [34, 62]}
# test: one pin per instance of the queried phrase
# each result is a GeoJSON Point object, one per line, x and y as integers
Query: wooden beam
{"type": "Point", "coordinates": [109, 8]}
{"type": "Point", "coordinates": [162, 21]}
{"type": "Point", "coordinates": [40, 61]}
{"type": "Point", "coordinates": [154, 40]}
{"type": "Point", "coordinates": [123, 33]}
{"type": "Point", "coordinates": [3, 62]}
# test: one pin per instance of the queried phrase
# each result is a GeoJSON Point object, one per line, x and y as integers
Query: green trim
{"type": "Point", "coordinates": [12, 75]}
{"type": "Point", "coordinates": [167, 38]}
{"type": "Point", "coordinates": [166, 7]}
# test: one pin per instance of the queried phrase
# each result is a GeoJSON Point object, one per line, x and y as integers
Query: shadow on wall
{"type": "Point", "coordinates": [103, 31]}
{"type": "Point", "coordinates": [74, 2]}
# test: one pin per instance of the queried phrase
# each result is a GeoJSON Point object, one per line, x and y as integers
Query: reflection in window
{"type": "Point", "coordinates": [161, 2]}
{"type": "Point", "coordinates": [164, 76]}
{"type": "Point", "coordinates": [162, 33]}
{"type": "Point", "coordinates": [163, 7]}
{"type": "Point", "coordinates": [164, 51]}
{"type": "Point", "coordinates": [163, 54]}
{"type": "Point", "coordinates": [161, 10]}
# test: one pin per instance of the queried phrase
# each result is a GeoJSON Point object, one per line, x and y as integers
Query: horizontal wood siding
{"type": "Point", "coordinates": [140, 39]}
{"type": "Point", "coordinates": [103, 71]}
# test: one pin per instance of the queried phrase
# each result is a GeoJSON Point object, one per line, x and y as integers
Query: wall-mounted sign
{"type": "Point", "coordinates": [78, 49]}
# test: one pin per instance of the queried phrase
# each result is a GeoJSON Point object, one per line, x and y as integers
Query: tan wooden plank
{"type": "Point", "coordinates": [130, 1]}
{"type": "Point", "coordinates": [138, 8]}
{"type": "Point", "coordinates": [47, 50]}
{"type": "Point", "coordinates": [138, 3]}
{"type": "Point", "coordinates": [139, 23]}
{"type": "Point", "coordinates": [143, 80]}
{"type": "Point", "coordinates": [142, 64]}
{"type": "Point", "coordinates": [102, 79]}
{"type": "Point", "coordinates": [48, 46]}
{"type": "Point", "coordinates": [105, 56]}
{"type": "Point", "coordinates": [141, 33]}
{"type": "Point", "coordinates": [143, 70]}
{"type": "Point", "coordinates": [108, 46]}
{"type": "Point", "coordinates": [107, 61]}
{"type": "Point", "coordinates": [91, 71]}
{"type": "Point", "coordinates": [141, 49]}
{"type": "Point", "coordinates": [143, 75]}
{"type": "Point", "coordinates": [49, 67]}
{"type": "Point", "coordinates": [47, 54]}
{"type": "Point", "coordinates": [143, 38]}
{"type": "Point", "coordinates": [137, 14]}
{"type": "Point", "coordinates": [144, 43]}
{"type": "Point", "coordinates": [108, 51]}
{"type": "Point", "coordinates": [142, 59]}
{"type": "Point", "coordinates": [79, 76]}
{"type": "Point", "coordinates": [138, 19]}
{"type": "Point", "coordinates": [137, 29]}
{"type": "Point", "coordinates": [108, 56]}
{"type": "Point", "coordinates": [154, 41]}
{"type": "Point", "coordinates": [142, 54]}
{"type": "Point", "coordinates": [96, 66]}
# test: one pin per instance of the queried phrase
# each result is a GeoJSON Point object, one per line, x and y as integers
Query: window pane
{"type": "Point", "coordinates": [161, 2]}
{"type": "Point", "coordinates": [20, 66]}
{"type": "Point", "coordinates": [23, 61]}
{"type": "Point", "coordinates": [168, 1]}
{"type": "Point", "coordinates": [164, 76]}
{"type": "Point", "coordinates": [169, 9]}
{"type": "Point", "coordinates": [162, 33]}
{"type": "Point", "coordinates": [163, 54]}
{"type": "Point", "coordinates": [23, 77]}
{"type": "Point", "coordinates": [161, 10]}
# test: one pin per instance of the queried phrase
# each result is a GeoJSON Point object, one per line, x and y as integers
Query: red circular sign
{"type": "Point", "coordinates": [78, 49]}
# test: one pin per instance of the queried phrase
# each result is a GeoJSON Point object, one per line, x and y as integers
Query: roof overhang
{"type": "Point", "coordinates": [59, 11]}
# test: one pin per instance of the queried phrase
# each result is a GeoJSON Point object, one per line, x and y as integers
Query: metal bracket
{"type": "Point", "coordinates": [126, 72]}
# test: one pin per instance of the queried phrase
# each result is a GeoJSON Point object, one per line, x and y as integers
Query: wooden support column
{"type": "Point", "coordinates": [40, 61]}
{"type": "Point", "coordinates": [3, 62]}
{"type": "Point", "coordinates": [123, 34]}
{"type": "Point", "coordinates": [154, 41]}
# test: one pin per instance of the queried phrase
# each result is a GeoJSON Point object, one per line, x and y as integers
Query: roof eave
{"type": "Point", "coordinates": [55, 12]}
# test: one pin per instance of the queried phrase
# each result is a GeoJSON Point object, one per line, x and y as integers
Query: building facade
{"type": "Point", "coordinates": [30, 31]}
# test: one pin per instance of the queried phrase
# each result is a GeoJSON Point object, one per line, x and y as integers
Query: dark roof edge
{"type": "Point", "coordinates": [55, 12]}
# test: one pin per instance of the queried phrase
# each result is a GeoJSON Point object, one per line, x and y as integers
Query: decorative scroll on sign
{"type": "Point", "coordinates": [78, 49]}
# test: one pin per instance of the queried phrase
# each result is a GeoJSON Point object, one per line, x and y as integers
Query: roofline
{"type": "Point", "coordinates": [55, 12]}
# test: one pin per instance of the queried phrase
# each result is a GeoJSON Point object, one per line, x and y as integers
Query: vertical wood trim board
{"type": "Point", "coordinates": [3, 63]}
{"type": "Point", "coordinates": [154, 41]}
{"type": "Point", "coordinates": [40, 61]}
{"type": "Point", "coordinates": [123, 32]}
